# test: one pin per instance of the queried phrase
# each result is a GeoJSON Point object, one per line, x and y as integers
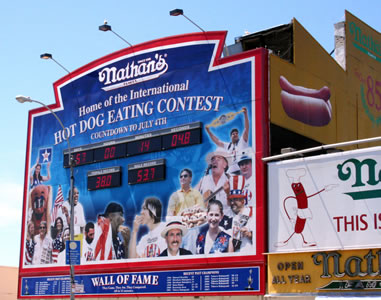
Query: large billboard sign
{"type": "Point", "coordinates": [306, 93]}
{"type": "Point", "coordinates": [326, 202]}
{"type": "Point", "coordinates": [167, 138]}
{"type": "Point", "coordinates": [327, 273]}
{"type": "Point", "coordinates": [320, 99]}
{"type": "Point", "coordinates": [363, 46]}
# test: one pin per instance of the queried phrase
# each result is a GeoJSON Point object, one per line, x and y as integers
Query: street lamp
{"type": "Point", "coordinates": [49, 56]}
{"type": "Point", "coordinates": [105, 27]}
{"type": "Point", "coordinates": [23, 99]}
{"type": "Point", "coordinates": [177, 12]}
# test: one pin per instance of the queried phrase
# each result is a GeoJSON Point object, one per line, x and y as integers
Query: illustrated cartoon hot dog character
{"type": "Point", "coordinates": [309, 106]}
{"type": "Point", "coordinates": [302, 211]}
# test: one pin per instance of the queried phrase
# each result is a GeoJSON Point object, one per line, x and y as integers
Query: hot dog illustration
{"type": "Point", "coordinates": [309, 106]}
{"type": "Point", "coordinates": [302, 211]}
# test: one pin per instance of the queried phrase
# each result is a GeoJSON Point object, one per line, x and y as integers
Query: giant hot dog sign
{"type": "Point", "coordinates": [156, 131]}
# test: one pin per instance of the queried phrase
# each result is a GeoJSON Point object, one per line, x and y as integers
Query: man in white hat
{"type": "Point", "coordinates": [213, 184]}
{"type": "Point", "coordinates": [173, 234]}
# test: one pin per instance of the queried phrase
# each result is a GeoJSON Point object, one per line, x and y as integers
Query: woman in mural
{"type": "Point", "coordinates": [35, 175]}
{"type": "Point", "coordinates": [29, 247]}
{"type": "Point", "coordinates": [57, 236]}
{"type": "Point", "coordinates": [211, 238]}
{"type": "Point", "coordinates": [151, 244]}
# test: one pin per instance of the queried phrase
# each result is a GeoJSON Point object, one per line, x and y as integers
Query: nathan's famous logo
{"type": "Point", "coordinates": [134, 72]}
{"type": "Point", "coordinates": [365, 43]}
{"type": "Point", "coordinates": [370, 90]}
{"type": "Point", "coordinates": [345, 172]}
{"type": "Point", "coordinates": [368, 265]}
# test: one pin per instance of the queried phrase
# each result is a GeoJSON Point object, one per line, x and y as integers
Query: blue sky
{"type": "Point", "coordinates": [69, 30]}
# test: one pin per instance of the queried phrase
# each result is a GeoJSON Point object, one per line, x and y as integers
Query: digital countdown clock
{"type": "Point", "coordinates": [104, 178]}
{"type": "Point", "coordinates": [148, 171]}
{"type": "Point", "coordinates": [181, 139]}
{"type": "Point", "coordinates": [164, 139]}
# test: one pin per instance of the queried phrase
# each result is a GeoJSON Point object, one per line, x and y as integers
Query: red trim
{"type": "Point", "coordinates": [167, 41]}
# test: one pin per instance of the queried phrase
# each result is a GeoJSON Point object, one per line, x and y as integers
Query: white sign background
{"type": "Point", "coordinates": [333, 219]}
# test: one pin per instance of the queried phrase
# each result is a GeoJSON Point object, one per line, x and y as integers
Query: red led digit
{"type": "Point", "coordinates": [103, 181]}
{"type": "Point", "coordinates": [98, 183]}
{"type": "Point", "coordinates": [146, 175]}
{"type": "Point", "coordinates": [187, 137]}
{"type": "Point", "coordinates": [174, 140]}
{"type": "Point", "coordinates": [152, 173]}
{"type": "Point", "coordinates": [181, 138]}
{"type": "Point", "coordinates": [140, 176]}
{"type": "Point", "coordinates": [83, 157]}
{"type": "Point", "coordinates": [108, 180]}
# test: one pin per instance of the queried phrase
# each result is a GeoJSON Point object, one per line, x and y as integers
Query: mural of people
{"type": "Point", "coordinates": [151, 244]}
{"type": "Point", "coordinates": [88, 243]}
{"type": "Point", "coordinates": [173, 234]}
{"type": "Point", "coordinates": [39, 206]}
{"type": "Point", "coordinates": [79, 214]}
{"type": "Point", "coordinates": [35, 175]}
{"type": "Point", "coordinates": [185, 197]}
{"type": "Point", "coordinates": [237, 144]}
{"type": "Point", "coordinates": [43, 246]}
{"type": "Point", "coordinates": [57, 237]}
{"type": "Point", "coordinates": [29, 247]}
{"type": "Point", "coordinates": [239, 220]}
{"type": "Point", "coordinates": [213, 184]}
{"type": "Point", "coordinates": [212, 239]}
{"type": "Point", "coordinates": [246, 169]}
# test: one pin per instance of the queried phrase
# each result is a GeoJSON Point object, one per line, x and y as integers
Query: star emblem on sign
{"type": "Point", "coordinates": [45, 155]}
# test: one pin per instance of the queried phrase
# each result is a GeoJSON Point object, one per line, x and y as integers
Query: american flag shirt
{"type": "Point", "coordinates": [58, 246]}
{"type": "Point", "coordinates": [29, 251]}
{"type": "Point", "coordinates": [119, 248]}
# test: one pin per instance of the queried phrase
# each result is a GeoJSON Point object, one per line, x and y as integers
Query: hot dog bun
{"type": "Point", "coordinates": [308, 110]}
{"type": "Point", "coordinates": [324, 93]}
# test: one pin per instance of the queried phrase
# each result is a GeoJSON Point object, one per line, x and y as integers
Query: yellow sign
{"type": "Point", "coordinates": [363, 46]}
{"type": "Point", "coordinates": [318, 98]}
{"type": "Point", "coordinates": [325, 272]}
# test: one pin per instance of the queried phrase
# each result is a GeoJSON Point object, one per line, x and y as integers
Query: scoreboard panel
{"type": "Point", "coordinates": [179, 136]}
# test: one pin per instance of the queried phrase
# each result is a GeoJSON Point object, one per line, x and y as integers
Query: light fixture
{"type": "Point", "coordinates": [23, 99]}
{"type": "Point", "coordinates": [105, 27]}
{"type": "Point", "coordinates": [49, 56]}
{"type": "Point", "coordinates": [46, 56]}
{"type": "Point", "coordinates": [177, 12]}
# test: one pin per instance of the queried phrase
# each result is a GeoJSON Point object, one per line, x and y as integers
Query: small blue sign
{"type": "Point", "coordinates": [45, 155]}
{"type": "Point", "coordinates": [73, 252]}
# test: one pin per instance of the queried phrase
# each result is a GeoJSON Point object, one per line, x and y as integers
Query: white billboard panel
{"type": "Point", "coordinates": [325, 202]}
